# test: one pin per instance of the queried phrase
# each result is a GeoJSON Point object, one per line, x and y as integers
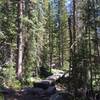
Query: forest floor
{"type": "Point", "coordinates": [22, 95]}
{"type": "Point", "coordinates": [31, 96]}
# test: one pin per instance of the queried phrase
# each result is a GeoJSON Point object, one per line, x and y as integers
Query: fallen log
{"type": "Point", "coordinates": [49, 81]}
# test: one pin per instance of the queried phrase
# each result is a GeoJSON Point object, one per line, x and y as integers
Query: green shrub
{"type": "Point", "coordinates": [8, 77]}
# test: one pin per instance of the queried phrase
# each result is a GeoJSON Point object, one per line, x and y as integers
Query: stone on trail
{"type": "Point", "coordinates": [7, 91]}
{"type": "Point", "coordinates": [51, 90]}
{"type": "Point", "coordinates": [38, 91]}
{"type": "Point", "coordinates": [45, 84]}
{"type": "Point", "coordinates": [62, 96]}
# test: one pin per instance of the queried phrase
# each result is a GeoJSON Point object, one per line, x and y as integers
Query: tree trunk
{"type": "Point", "coordinates": [50, 39]}
{"type": "Point", "coordinates": [74, 67]}
{"type": "Point", "coordinates": [19, 40]}
{"type": "Point", "coordinates": [59, 33]}
{"type": "Point", "coordinates": [70, 44]}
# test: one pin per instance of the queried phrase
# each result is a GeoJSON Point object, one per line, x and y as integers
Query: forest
{"type": "Point", "coordinates": [49, 49]}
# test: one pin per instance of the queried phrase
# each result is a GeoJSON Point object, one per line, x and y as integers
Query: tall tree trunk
{"type": "Point", "coordinates": [74, 67]}
{"type": "Point", "coordinates": [50, 39]}
{"type": "Point", "coordinates": [59, 32]}
{"type": "Point", "coordinates": [89, 43]}
{"type": "Point", "coordinates": [74, 24]}
{"type": "Point", "coordinates": [62, 48]}
{"type": "Point", "coordinates": [70, 50]}
{"type": "Point", "coordinates": [62, 32]}
{"type": "Point", "coordinates": [70, 44]}
{"type": "Point", "coordinates": [19, 40]}
{"type": "Point", "coordinates": [8, 21]}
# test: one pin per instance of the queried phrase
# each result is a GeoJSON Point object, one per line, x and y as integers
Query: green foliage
{"type": "Point", "coordinates": [1, 96]}
{"type": "Point", "coordinates": [34, 45]}
{"type": "Point", "coordinates": [2, 36]}
{"type": "Point", "coordinates": [8, 77]}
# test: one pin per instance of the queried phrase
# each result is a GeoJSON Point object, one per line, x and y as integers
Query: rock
{"type": "Point", "coordinates": [8, 91]}
{"type": "Point", "coordinates": [27, 90]}
{"type": "Point", "coordinates": [62, 96]}
{"type": "Point", "coordinates": [44, 84]}
{"type": "Point", "coordinates": [97, 95]}
{"type": "Point", "coordinates": [51, 90]}
{"type": "Point", "coordinates": [49, 82]}
{"type": "Point", "coordinates": [57, 97]}
{"type": "Point", "coordinates": [38, 91]}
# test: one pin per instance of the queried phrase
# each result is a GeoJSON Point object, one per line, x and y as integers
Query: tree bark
{"type": "Point", "coordinates": [19, 40]}
{"type": "Point", "coordinates": [50, 39]}
{"type": "Point", "coordinates": [70, 44]}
